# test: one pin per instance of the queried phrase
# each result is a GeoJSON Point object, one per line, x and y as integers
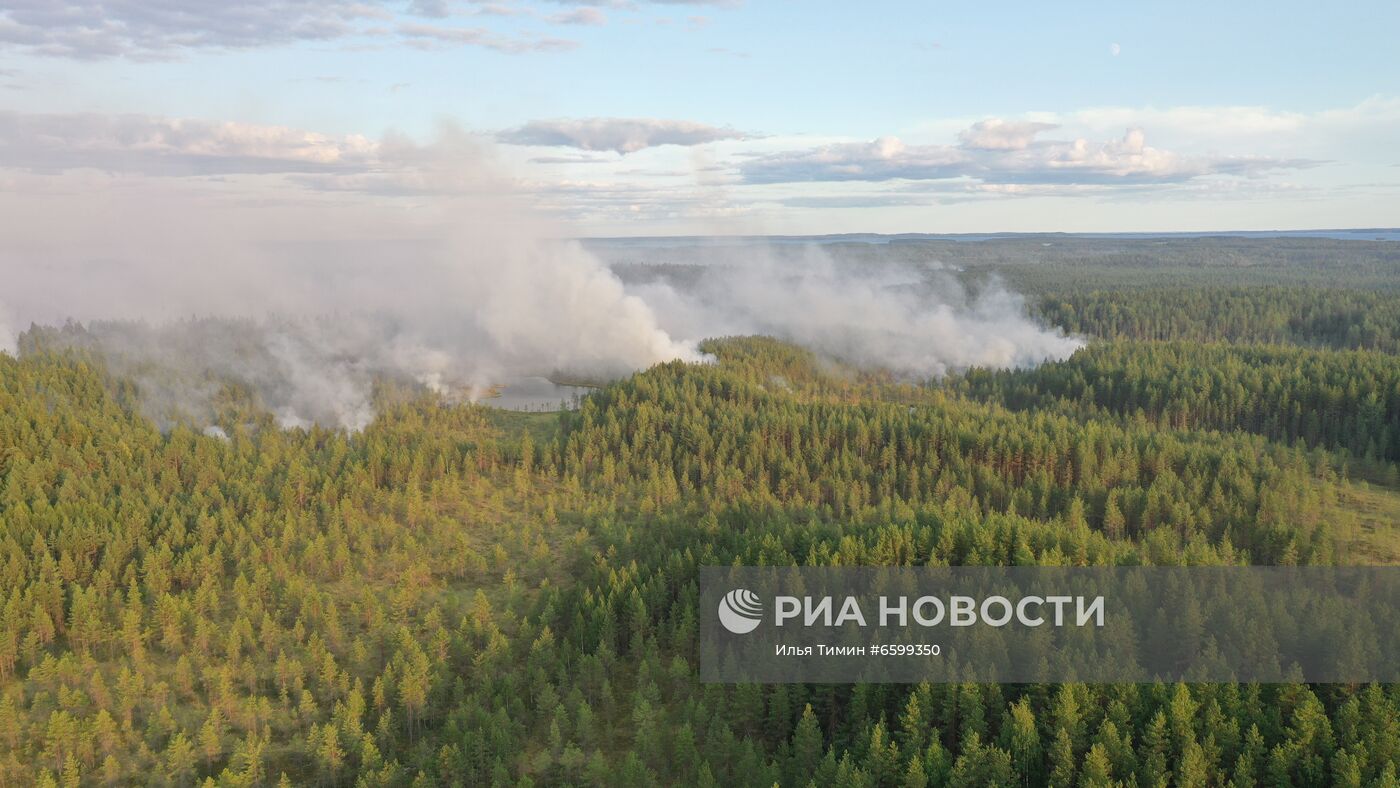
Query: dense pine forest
{"type": "Point", "coordinates": [460, 595]}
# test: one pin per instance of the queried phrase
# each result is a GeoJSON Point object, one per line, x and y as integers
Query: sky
{"type": "Point", "coordinates": [634, 118]}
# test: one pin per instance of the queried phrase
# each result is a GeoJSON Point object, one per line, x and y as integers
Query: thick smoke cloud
{"type": "Point", "coordinates": [184, 289]}
{"type": "Point", "coordinates": [455, 324]}
{"type": "Point", "coordinates": [915, 319]}
{"type": "Point", "coordinates": [456, 293]}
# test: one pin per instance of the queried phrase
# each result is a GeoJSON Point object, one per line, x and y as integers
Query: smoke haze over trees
{"type": "Point", "coordinates": [465, 291]}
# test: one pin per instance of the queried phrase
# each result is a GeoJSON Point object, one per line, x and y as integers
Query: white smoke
{"type": "Point", "coordinates": [917, 320]}
{"type": "Point", "coordinates": [456, 326]}
{"type": "Point", "coordinates": [307, 304]}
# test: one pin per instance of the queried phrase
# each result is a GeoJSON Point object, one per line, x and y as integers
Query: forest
{"type": "Point", "coordinates": [460, 595]}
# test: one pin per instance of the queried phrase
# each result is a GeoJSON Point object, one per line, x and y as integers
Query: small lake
{"type": "Point", "coordinates": [537, 395]}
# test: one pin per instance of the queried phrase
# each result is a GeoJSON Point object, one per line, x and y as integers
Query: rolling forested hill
{"type": "Point", "coordinates": [465, 596]}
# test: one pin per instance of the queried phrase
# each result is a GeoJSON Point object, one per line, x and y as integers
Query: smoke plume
{"type": "Point", "coordinates": [457, 291]}
{"type": "Point", "coordinates": [307, 303]}
{"type": "Point", "coordinates": [916, 319]}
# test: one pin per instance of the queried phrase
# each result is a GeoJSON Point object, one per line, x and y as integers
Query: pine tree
{"type": "Point", "coordinates": [1021, 738]}
{"type": "Point", "coordinates": [179, 759]}
{"type": "Point", "coordinates": [806, 748]}
{"type": "Point", "coordinates": [1097, 771]}
{"type": "Point", "coordinates": [1062, 768]}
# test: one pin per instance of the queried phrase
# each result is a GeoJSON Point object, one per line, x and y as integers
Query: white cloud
{"type": "Point", "coordinates": [1199, 120]}
{"type": "Point", "coordinates": [430, 8]}
{"type": "Point", "coordinates": [90, 29]}
{"type": "Point", "coordinates": [623, 135]}
{"type": "Point", "coordinates": [750, 183]}
{"type": "Point", "coordinates": [141, 30]}
{"type": "Point", "coordinates": [881, 159]}
{"type": "Point", "coordinates": [581, 16]}
{"type": "Point", "coordinates": [583, 159]}
{"type": "Point", "coordinates": [630, 4]}
{"type": "Point", "coordinates": [997, 151]}
{"type": "Point", "coordinates": [171, 146]}
{"type": "Point", "coordinates": [424, 36]}
{"type": "Point", "coordinates": [1371, 125]}
{"type": "Point", "coordinates": [998, 134]}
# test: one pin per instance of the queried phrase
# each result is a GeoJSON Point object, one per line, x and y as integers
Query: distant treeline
{"type": "Point", "coordinates": [1345, 319]}
{"type": "Point", "coordinates": [1337, 400]}
{"type": "Point", "coordinates": [1081, 265]}
{"type": "Point", "coordinates": [1058, 264]}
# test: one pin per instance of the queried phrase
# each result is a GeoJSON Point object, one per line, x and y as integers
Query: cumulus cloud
{"type": "Point", "coordinates": [1083, 154]}
{"type": "Point", "coordinates": [997, 151]}
{"type": "Point", "coordinates": [882, 159]}
{"type": "Point", "coordinates": [171, 146]}
{"type": "Point", "coordinates": [623, 135]}
{"type": "Point", "coordinates": [158, 147]}
{"type": "Point", "coordinates": [998, 134]}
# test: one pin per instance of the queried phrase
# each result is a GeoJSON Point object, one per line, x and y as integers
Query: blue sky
{"type": "Point", "coordinates": [747, 117]}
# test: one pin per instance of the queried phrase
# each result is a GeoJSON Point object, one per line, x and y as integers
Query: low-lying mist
{"type": "Point", "coordinates": [459, 290]}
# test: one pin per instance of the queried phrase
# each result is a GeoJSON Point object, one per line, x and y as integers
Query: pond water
{"type": "Point", "coordinates": [537, 395]}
